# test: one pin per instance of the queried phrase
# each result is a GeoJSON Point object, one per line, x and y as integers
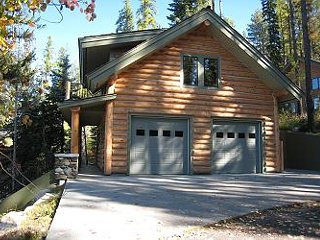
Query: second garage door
{"type": "Point", "coordinates": [159, 146]}
{"type": "Point", "coordinates": [236, 147]}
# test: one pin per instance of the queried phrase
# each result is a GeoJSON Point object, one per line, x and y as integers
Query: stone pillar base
{"type": "Point", "coordinates": [66, 166]}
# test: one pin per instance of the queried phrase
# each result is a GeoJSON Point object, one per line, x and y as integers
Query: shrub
{"type": "Point", "coordinates": [291, 121]}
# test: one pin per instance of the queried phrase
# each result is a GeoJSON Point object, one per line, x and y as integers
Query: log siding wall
{"type": "Point", "coordinates": [152, 86]}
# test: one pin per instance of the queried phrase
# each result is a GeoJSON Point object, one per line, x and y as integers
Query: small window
{"type": "Point", "coordinates": [166, 133]}
{"type": "Point", "coordinates": [140, 132]}
{"type": "Point", "coordinates": [241, 135]}
{"type": "Point", "coordinates": [315, 83]}
{"type": "Point", "coordinates": [153, 133]}
{"type": "Point", "coordinates": [252, 135]}
{"type": "Point", "coordinates": [178, 133]}
{"type": "Point", "coordinates": [190, 70]}
{"type": "Point", "coordinates": [230, 134]}
{"type": "Point", "coordinates": [219, 135]}
{"type": "Point", "coordinates": [211, 72]}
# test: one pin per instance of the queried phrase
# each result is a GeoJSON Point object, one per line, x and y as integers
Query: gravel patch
{"type": "Point", "coordinates": [296, 221]}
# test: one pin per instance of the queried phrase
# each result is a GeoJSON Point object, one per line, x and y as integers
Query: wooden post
{"type": "Point", "coordinates": [75, 129]}
{"type": "Point", "coordinates": [279, 163]}
{"type": "Point", "coordinates": [108, 138]}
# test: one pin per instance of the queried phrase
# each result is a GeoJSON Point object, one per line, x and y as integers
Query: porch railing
{"type": "Point", "coordinates": [79, 92]}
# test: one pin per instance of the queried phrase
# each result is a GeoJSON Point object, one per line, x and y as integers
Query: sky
{"type": "Point", "coordinates": [75, 24]}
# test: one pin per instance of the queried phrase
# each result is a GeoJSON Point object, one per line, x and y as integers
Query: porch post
{"type": "Point", "coordinates": [108, 138]}
{"type": "Point", "coordinates": [279, 163]}
{"type": "Point", "coordinates": [75, 129]}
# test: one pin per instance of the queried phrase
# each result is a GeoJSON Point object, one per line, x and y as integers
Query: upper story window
{"type": "Point", "coordinates": [316, 83]}
{"type": "Point", "coordinates": [190, 70]}
{"type": "Point", "coordinates": [200, 71]}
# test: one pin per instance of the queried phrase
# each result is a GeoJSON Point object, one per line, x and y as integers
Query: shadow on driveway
{"type": "Point", "coordinates": [151, 207]}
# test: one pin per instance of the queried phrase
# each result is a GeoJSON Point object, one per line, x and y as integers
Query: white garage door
{"type": "Point", "coordinates": [159, 146]}
{"type": "Point", "coordinates": [236, 147]}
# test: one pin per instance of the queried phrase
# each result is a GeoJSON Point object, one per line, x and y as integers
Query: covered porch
{"type": "Point", "coordinates": [91, 111]}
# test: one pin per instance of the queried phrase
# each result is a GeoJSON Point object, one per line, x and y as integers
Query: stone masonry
{"type": "Point", "coordinates": [66, 166]}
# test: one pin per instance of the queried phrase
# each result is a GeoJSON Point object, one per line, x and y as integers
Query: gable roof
{"type": "Point", "coordinates": [231, 39]}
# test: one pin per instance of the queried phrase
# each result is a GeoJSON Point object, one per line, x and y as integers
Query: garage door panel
{"type": "Point", "coordinates": [235, 147]}
{"type": "Point", "coordinates": [164, 146]}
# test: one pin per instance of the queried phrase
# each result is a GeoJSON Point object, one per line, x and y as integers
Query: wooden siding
{"type": "Point", "coordinates": [152, 86]}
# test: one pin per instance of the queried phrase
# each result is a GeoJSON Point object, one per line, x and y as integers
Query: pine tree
{"type": "Point", "coordinates": [257, 32]}
{"type": "Point", "coordinates": [125, 21]}
{"type": "Point", "coordinates": [146, 15]}
{"type": "Point", "coordinates": [60, 75]}
{"type": "Point", "coordinates": [274, 46]}
{"type": "Point", "coordinates": [47, 65]}
{"type": "Point", "coordinates": [182, 9]}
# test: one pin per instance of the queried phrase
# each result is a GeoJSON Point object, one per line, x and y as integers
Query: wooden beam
{"type": "Point", "coordinates": [75, 129]}
{"type": "Point", "coordinates": [108, 138]}
{"type": "Point", "coordinates": [279, 164]}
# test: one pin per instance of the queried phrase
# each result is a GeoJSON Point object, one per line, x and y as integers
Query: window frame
{"type": "Point", "coordinates": [201, 71]}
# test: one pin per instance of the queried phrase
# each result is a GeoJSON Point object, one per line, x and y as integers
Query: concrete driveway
{"type": "Point", "coordinates": [122, 207]}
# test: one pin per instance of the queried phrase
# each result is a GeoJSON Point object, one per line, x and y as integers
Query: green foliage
{"type": "Point", "coordinates": [125, 21]}
{"type": "Point", "coordinates": [16, 73]}
{"type": "Point", "coordinates": [40, 137]}
{"type": "Point", "coordinates": [146, 15]}
{"type": "Point", "coordinates": [274, 45]}
{"type": "Point", "coordinates": [291, 121]}
{"type": "Point", "coordinates": [60, 75]}
{"type": "Point", "coordinates": [182, 9]}
{"type": "Point", "coordinates": [257, 31]}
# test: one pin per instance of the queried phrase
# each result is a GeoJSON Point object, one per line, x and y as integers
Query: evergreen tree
{"type": "Point", "coordinates": [274, 46]}
{"type": "Point", "coordinates": [47, 65]}
{"type": "Point", "coordinates": [182, 9]}
{"type": "Point", "coordinates": [257, 32]}
{"type": "Point", "coordinates": [146, 15]}
{"type": "Point", "coordinates": [60, 75]}
{"type": "Point", "coordinates": [125, 21]}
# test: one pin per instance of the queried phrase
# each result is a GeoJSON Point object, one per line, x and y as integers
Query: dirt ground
{"type": "Point", "coordinates": [296, 221]}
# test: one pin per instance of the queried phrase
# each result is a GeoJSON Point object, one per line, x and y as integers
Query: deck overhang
{"type": "Point", "coordinates": [91, 110]}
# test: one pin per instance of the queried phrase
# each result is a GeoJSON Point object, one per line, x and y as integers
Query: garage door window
{"type": "Point", "coordinates": [178, 134]}
{"type": "Point", "coordinates": [153, 133]}
{"type": "Point", "coordinates": [230, 134]}
{"type": "Point", "coordinates": [140, 132]}
{"type": "Point", "coordinates": [252, 135]}
{"type": "Point", "coordinates": [166, 133]}
{"type": "Point", "coordinates": [219, 135]}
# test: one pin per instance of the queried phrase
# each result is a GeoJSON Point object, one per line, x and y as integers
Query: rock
{"type": "Point", "coordinates": [58, 170]}
{"type": "Point", "coordinates": [66, 162]}
{"type": "Point", "coordinates": [68, 171]}
{"type": "Point", "coordinates": [13, 219]}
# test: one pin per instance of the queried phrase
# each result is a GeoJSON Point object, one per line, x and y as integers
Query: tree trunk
{"type": "Point", "coordinates": [307, 61]}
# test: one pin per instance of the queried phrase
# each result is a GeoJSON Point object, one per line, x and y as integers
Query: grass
{"type": "Point", "coordinates": [38, 220]}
